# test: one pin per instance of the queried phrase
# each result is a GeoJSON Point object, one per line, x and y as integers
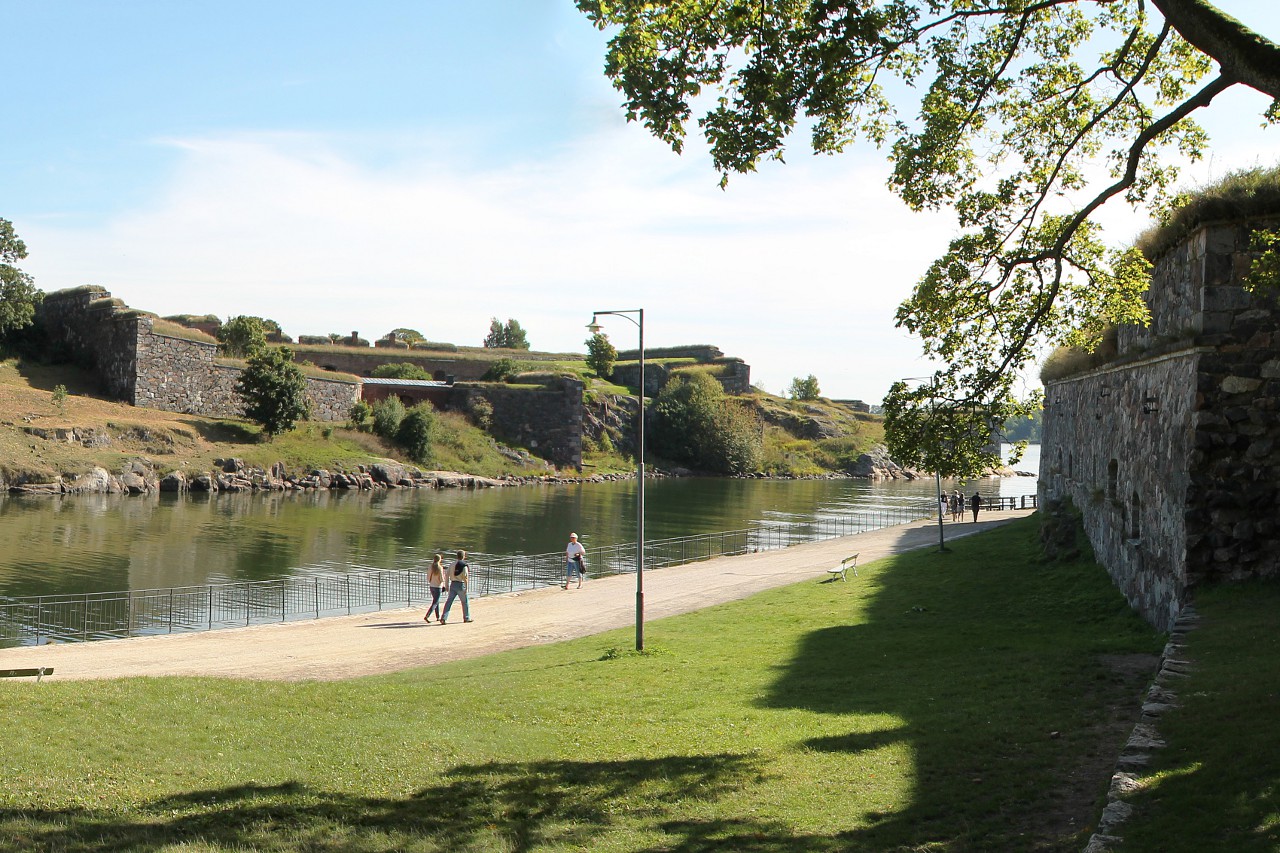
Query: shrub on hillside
{"type": "Point", "coordinates": [360, 414]}
{"type": "Point", "coordinates": [387, 415]}
{"type": "Point", "coordinates": [242, 336]}
{"type": "Point", "coordinates": [695, 423]}
{"type": "Point", "coordinates": [274, 391]}
{"type": "Point", "coordinates": [501, 370]}
{"type": "Point", "coordinates": [400, 370]}
{"type": "Point", "coordinates": [601, 355]}
{"type": "Point", "coordinates": [480, 411]}
{"type": "Point", "coordinates": [415, 432]}
{"type": "Point", "coordinates": [804, 389]}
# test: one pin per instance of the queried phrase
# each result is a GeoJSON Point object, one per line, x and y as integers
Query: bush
{"type": "Point", "coordinates": [501, 370]}
{"type": "Point", "coordinates": [601, 355]}
{"type": "Point", "coordinates": [387, 415]}
{"type": "Point", "coordinates": [415, 431]}
{"type": "Point", "coordinates": [242, 336]}
{"type": "Point", "coordinates": [360, 414]}
{"type": "Point", "coordinates": [481, 412]}
{"type": "Point", "coordinates": [274, 391]}
{"type": "Point", "coordinates": [400, 370]}
{"type": "Point", "coordinates": [804, 389]}
{"type": "Point", "coordinates": [695, 423]}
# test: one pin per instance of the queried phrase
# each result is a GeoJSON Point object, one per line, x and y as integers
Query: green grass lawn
{"type": "Point", "coordinates": [965, 701]}
{"type": "Point", "coordinates": [1217, 784]}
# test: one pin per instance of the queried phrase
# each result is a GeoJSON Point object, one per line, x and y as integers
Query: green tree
{"type": "Point", "coordinates": [18, 293]}
{"type": "Point", "coordinates": [274, 391]}
{"type": "Point", "coordinates": [804, 389]}
{"type": "Point", "coordinates": [601, 355]}
{"type": "Point", "coordinates": [1016, 103]}
{"type": "Point", "coordinates": [501, 370]}
{"type": "Point", "coordinates": [400, 370]}
{"type": "Point", "coordinates": [360, 414]}
{"type": "Point", "coordinates": [242, 336]}
{"type": "Point", "coordinates": [509, 335]}
{"type": "Point", "coordinates": [408, 336]}
{"type": "Point", "coordinates": [694, 422]}
{"type": "Point", "coordinates": [415, 431]}
{"type": "Point", "coordinates": [387, 415]}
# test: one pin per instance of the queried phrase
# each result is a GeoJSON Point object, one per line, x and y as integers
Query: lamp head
{"type": "Point", "coordinates": [593, 327]}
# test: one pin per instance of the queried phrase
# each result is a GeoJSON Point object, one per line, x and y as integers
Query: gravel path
{"type": "Point", "coordinates": [393, 640]}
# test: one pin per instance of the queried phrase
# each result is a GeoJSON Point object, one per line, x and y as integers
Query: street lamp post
{"type": "Point", "coordinates": [594, 328]}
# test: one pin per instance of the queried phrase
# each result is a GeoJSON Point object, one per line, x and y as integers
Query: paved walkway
{"type": "Point", "coordinates": [392, 640]}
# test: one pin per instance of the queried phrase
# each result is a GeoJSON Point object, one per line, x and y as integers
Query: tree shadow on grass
{"type": "Point", "coordinates": [46, 377]}
{"type": "Point", "coordinates": [507, 806]}
{"type": "Point", "coordinates": [993, 674]}
{"type": "Point", "coordinates": [225, 432]}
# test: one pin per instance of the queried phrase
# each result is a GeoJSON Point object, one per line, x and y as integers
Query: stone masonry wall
{"type": "Point", "coordinates": [143, 368]}
{"type": "Point", "coordinates": [1123, 466]}
{"type": "Point", "coordinates": [547, 420]}
{"type": "Point", "coordinates": [97, 332]}
{"type": "Point", "coordinates": [1232, 529]}
{"type": "Point", "coordinates": [178, 375]}
{"type": "Point", "coordinates": [362, 363]}
{"type": "Point", "coordinates": [1174, 458]}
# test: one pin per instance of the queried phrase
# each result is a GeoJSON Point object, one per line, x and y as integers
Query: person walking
{"type": "Point", "coordinates": [458, 589]}
{"type": "Point", "coordinates": [975, 504]}
{"type": "Point", "coordinates": [957, 506]}
{"type": "Point", "coordinates": [574, 561]}
{"type": "Point", "coordinates": [435, 581]}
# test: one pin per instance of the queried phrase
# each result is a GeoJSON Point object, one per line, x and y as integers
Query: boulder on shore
{"type": "Point", "coordinates": [875, 464]}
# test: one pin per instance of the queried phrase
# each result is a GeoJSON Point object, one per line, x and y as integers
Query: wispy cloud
{"type": "Point", "coordinates": [797, 269]}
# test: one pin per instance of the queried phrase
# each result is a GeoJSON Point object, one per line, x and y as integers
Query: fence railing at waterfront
{"type": "Point", "coordinates": [108, 615]}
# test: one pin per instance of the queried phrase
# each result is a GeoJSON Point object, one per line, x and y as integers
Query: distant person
{"type": "Point", "coordinates": [435, 581]}
{"type": "Point", "coordinates": [458, 589]}
{"type": "Point", "coordinates": [944, 504]}
{"type": "Point", "coordinates": [975, 504]}
{"type": "Point", "coordinates": [957, 506]}
{"type": "Point", "coordinates": [574, 561]}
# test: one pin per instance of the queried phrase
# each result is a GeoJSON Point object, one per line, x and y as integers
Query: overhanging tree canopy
{"type": "Point", "coordinates": [997, 109]}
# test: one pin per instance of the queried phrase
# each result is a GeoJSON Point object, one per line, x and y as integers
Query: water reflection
{"type": "Point", "coordinates": [97, 543]}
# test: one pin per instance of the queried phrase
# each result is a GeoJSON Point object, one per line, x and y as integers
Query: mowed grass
{"type": "Point", "coordinates": [1216, 786]}
{"type": "Point", "coordinates": [965, 701]}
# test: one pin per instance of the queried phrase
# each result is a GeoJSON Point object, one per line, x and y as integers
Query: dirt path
{"type": "Point", "coordinates": [392, 640]}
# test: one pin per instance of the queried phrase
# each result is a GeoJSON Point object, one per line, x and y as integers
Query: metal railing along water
{"type": "Point", "coordinates": [33, 620]}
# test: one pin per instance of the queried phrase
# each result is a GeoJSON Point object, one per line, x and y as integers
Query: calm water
{"type": "Point", "coordinates": [101, 542]}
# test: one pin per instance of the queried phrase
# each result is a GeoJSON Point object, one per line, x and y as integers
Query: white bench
{"type": "Point", "coordinates": [845, 565]}
{"type": "Point", "coordinates": [37, 673]}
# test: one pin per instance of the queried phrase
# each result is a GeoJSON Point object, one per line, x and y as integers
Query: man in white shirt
{"type": "Point", "coordinates": [574, 561]}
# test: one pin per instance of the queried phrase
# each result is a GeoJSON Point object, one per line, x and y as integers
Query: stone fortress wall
{"type": "Point", "coordinates": [139, 366]}
{"type": "Point", "coordinates": [733, 373]}
{"type": "Point", "coordinates": [1172, 451]}
{"type": "Point", "coordinates": [144, 368]}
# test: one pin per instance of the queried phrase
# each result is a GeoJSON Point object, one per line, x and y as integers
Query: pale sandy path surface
{"type": "Point", "coordinates": [393, 640]}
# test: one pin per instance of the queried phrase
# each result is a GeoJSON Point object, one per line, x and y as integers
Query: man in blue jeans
{"type": "Point", "coordinates": [574, 561]}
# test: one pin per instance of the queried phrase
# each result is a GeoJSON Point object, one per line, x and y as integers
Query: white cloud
{"type": "Point", "coordinates": [797, 269]}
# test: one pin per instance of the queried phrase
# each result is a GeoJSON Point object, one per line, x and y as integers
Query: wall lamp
{"type": "Point", "coordinates": [1150, 404]}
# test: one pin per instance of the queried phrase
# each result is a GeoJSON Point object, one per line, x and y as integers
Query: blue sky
{"type": "Point", "coordinates": [433, 164]}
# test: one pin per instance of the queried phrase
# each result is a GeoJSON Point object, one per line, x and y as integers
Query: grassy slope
{"type": "Point", "coordinates": [172, 441]}
{"type": "Point", "coordinates": [909, 709]}
{"type": "Point", "coordinates": [1217, 784]}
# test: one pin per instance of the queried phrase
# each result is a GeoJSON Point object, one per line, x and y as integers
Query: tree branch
{"type": "Point", "coordinates": [1243, 55]}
